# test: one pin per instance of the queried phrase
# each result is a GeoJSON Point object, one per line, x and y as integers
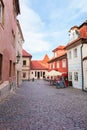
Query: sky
{"type": "Point", "coordinates": [45, 24]}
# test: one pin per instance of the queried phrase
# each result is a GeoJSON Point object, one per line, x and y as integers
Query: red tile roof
{"type": "Point", "coordinates": [58, 48]}
{"type": "Point", "coordinates": [58, 57]}
{"type": "Point", "coordinates": [82, 32]}
{"type": "Point", "coordinates": [38, 65]}
{"type": "Point", "coordinates": [46, 58]}
{"type": "Point", "coordinates": [72, 42]}
{"type": "Point", "coordinates": [25, 53]}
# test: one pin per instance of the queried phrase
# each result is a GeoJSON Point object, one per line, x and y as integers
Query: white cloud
{"type": "Point", "coordinates": [36, 43]}
{"type": "Point", "coordinates": [32, 27]}
{"type": "Point", "coordinates": [30, 20]}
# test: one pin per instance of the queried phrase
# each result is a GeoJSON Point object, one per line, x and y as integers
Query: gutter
{"type": "Point", "coordinates": [82, 68]}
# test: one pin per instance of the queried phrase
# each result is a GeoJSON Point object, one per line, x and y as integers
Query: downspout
{"type": "Point", "coordinates": [82, 68]}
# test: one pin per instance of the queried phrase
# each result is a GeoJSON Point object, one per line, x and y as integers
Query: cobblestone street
{"type": "Point", "coordinates": [39, 106]}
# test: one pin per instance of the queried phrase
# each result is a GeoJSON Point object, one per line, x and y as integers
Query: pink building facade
{"type": "Point", "coordinates": [9, 9]}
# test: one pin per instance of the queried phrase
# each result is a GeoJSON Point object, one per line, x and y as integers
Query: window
{"type": "Point", "coordinates": [75, 52]}
{"type": "Point", "coordinates": [50, 66]}
{"type": "Point", "coordinates": [24, 62]}
{"type": "Point", "coordinates": [35, 73]}
{"type": "Point", "coordinates": [41, 73]}
{"type": "Point", "coordinates": [58, 65]}
{"type": "Point", "coordinates": [73, 34]}
{"type": "Point", "coordinates": [0, 66]}
{"type": "Point", "coordinates": [55, 54]}
{"type": "Point", "coordinates": [76, 76]}
{"type": "Point", "coordinates": [10, 68]}
{"type": "Point", "coordinates": [24, 74]}
{"type": "Point", "coordinates": [1, 12]}
{"type": "Point", "coordinates": [69, 55]}
{"type": "Point", "coordinates": [13, 38]}
{"type": "Point", "coordinates": [14, 8]}
{"type": "Point", "coordinates": [14, 69]}
{"type": "Point", "coordinates": [53, 65]}
{"type": "Point", "coordinates": [64, 63]}
{"type": "Point", "coordinates": [70, 76]}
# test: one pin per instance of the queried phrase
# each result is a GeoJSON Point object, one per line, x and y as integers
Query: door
{"type": "Point", "coordinates": [38, 75]}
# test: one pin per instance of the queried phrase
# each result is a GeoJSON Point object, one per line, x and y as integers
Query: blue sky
{"type": "Point", "coordinates": [45, 23]}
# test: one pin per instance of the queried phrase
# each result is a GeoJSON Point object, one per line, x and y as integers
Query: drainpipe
{"type": "Point", "coordinates": [82, 68]}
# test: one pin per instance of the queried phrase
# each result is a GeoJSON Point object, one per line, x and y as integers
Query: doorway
{"type": "Point", "coordinates": [38, 76]}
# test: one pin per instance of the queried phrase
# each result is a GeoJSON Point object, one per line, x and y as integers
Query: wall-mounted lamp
{"type": "Point", "coordinates": [18, 57]}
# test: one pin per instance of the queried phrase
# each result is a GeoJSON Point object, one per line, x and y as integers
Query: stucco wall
{"type": "Point", "coordinates": [74, 65]}
{"type": "Point", "coordinates": [8, 46]}
{"type": "Point", "coordinates": [7, 49]}
{"type": "Point", "coordinates": [19, 43]}
{"type": "Point", "coordinates": [38, 74]}
{"type": "Point", "coordinates": [26, 68]}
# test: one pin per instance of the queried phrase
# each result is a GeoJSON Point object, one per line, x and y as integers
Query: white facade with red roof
{"type": "Point", "coordinates": [39, 68]}
{"type": "Point", "coordinates": [77, 51]}
{"type": "Point", "coordinates": [26, 62]}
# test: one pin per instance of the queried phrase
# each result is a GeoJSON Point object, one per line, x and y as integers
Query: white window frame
{"type": "Point", "coordinates": [75, 76]}
{"type": "Point", "coordinates": [75, 53]}
{"type": "Point", "coordinates": [70, 76]}
{"type": "Point", "coordinates": [58, 64]}
{"type": "Point", "coordinates": [53, 65]}
{"type": "Point", "coordinates": [50, 65]}
{"type": "Point", "coordinates": [64, 63]}
{"type": "Point", "coordinates": [55, 54]}
{"type": "Point", "coordinates": [69, 55]}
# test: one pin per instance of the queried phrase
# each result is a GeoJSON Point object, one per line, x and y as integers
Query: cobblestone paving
{"type": "Point", "coordinates": [39, 106]}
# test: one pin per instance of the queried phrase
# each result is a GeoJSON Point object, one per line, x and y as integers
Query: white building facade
{"type": "Point", "coordinates": [85, 66]}
{"type": "Point", "coordinates": [75, 67]}
{"type": "Point", "coordinates": [77, 57]}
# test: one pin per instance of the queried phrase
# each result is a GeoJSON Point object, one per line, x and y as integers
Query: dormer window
{"type": "Point", "coordinates": [74, 34]}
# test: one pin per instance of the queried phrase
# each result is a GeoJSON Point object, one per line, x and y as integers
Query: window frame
{"type": "Point", "coordinates": [58, 64]}
{"type": "Point", "coordinates": [69, 55]}
{"type": "Point", "coordinates": [13, 39]}
{"type": "Point", "coordinates": [24, 64]}
{"type": "Point", "coordinates": [75, 53]}
{"type": "Point", "coordinates": [70, 76]}
{"type": "Point", "coordinates": [2, 12]}
{"type": "Point", "coordinates": [64, 63]}
{"type": "Point", "coordinates": [76, 76]}
{"type": "Point", "coordinates": [24, 75]}
{"type": "Point", "coordinates": [10, 68]}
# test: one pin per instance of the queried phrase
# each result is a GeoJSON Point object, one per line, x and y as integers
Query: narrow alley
{"type": "Point", "coordinates": [39, 106]}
